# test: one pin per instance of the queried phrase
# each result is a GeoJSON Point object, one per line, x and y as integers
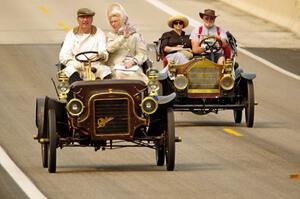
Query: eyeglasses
{"type": "Point", "coordinates": [178, 22]}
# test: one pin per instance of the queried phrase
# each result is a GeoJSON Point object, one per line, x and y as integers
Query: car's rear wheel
{"type": "Point", "coordinates": [170, 141]}
{"type": "Point", "coordinates": [249, 104]}
{"type": "Point", "coordinates": [52, 141]}
{"type": "Point", "coordinates": [44, 149]}
{"type": "Point", "coordinates": [160, 155]}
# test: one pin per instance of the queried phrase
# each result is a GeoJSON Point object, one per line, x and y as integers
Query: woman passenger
{"type": "Point", "coordinates": [127, 49]}
{"type": "Point", "coordinates": [175, 44]}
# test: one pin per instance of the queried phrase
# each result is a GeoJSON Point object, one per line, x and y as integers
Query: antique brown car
{"type": "Point", "coordinates": [106, 114]}
{"type": "Point", "coordinates": [202, 86]}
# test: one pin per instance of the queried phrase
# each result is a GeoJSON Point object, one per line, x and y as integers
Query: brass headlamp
{"type": "Point", "coordinates": [227, 81]}
{"type": "Point", "coordinates": [63, 86]}
{"type": "Point", "coordinates": [153, 84]}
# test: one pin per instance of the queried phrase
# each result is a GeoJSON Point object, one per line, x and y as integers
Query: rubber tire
{"type": "Point", "coordinates": [249, 104]}
{"type": "Point", "coordinates": [160, 155]}
{"type": "Point", "coordinates": [40, 116]}
{"type": "Point", "coordinates": [52, 141]}
{"type": "Point", "coordinates": [170, 141]}
{"type": "Point", "coordinates": [237, 114]}
{"type": "Point", "coordinates": [44, 151]}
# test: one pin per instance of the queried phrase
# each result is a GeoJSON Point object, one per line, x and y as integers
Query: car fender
{"type": "Point", "coordinates": [166, 99]}
{"type": "Point", "coordinates": [59, 107]}
{"type": "Point", "coordinates": [41, 115]}
{"type": "Point", "coordinates": [248, 76]}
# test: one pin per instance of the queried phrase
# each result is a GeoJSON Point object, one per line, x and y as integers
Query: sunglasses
{"type": "Point", "coordinates": [178, 22]}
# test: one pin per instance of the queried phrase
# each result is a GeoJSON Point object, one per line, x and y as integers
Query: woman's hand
{"type": "Point", "coordinates": [179, 46]}
{"type": "Point", "coordinates": [129, 64]}
{"type": "Point", "coordinates": [175, 48]}
{"type": "Point", "coordinates": [126, 32]}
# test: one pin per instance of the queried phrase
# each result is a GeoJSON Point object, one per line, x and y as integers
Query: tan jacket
{"type": "Point", "coordinates": [120, 47]}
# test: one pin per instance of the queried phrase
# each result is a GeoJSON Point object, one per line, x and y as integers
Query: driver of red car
{"type": "Point", "coordinates": [208, 28]}
{"type": "Point", "coordinates": [84, 37]}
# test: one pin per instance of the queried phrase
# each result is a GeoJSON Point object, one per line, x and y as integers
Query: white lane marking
{"type": "Point", "coordinates": [267, 63]}
{"type": "Point", "coordinates": [172, 12]}
{"type": "Point", "coordinates": [19, 177]}
{"type": "Point", "coordinates": [195, 23]}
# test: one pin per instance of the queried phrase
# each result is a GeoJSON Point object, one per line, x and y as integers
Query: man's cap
{"type": "Point", "coordinates": [207, 12]}
{"type": "Point", "coordinates": [85, 12]}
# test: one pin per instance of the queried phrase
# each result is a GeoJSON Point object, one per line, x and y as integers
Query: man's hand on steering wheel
{"type": "Point", "coordinates": [212, 44]}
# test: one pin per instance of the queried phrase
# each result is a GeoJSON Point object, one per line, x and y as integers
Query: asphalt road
{"type": "Point", "coordinates": [263, 162]}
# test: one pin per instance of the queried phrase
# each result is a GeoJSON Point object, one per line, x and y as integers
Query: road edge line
{"type": "Point", "coordinates": [19, 177]}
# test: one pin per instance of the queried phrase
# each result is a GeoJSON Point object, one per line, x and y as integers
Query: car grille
{"type": "Point", "coordinates": [204, 77]}
{"type": "Point", "coordinates": [111, 117]}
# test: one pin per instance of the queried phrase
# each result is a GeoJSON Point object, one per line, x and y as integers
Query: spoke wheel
{"type": "Point", "coordinates": [249, 104]}
{"type": "Point", "coordinates": [170, 141]}
{"type": "Point", "coordinates": [160, 155]}
{"type": "Point", "coordinates": [52, 141]}
{"type": "Point", "coordinates": [44, 150]}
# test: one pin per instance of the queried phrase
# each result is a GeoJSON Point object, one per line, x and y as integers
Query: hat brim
{"type": "Point", "coordinates": [83, 15]}
{"type": "Point", "coordinates": [203, 14]}
{"type": "Point", "coordinates": [178, 18]}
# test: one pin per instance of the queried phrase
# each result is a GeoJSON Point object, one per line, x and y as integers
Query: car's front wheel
{"type": "Point", "coordinates": [249, 104]}
{"type": "Point", "coordinates": [52, 141]}
{"type": "Point", "coordinates": [170, 141]}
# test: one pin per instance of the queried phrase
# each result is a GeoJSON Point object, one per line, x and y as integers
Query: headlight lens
{"type": "Point", "coordinates": [75, 107]}
{"type": "Point", "coordinates": [153, 86]}
{"type": "Point", "coordinates": [149, 105]}
{"type": "Point", "coordinates": [227, 82]}
{"type": "Point", "coordinates": [181, 82]}
{"type": "Point", "coordinates": [63, 87]}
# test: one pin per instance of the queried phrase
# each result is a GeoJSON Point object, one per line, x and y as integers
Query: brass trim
{"type": "Point", "coordinates": [181, 76]}
{"type": "Point", "coordinates": [227, 76]}
{"type": "Point", "coordinates": [94, 128]}
{"type": "Point", "coordinates": [110, 91]}
{"type": "Point", "coordinates": [44, 140]}
{"type": "Point", "coordinates": [203, 91]}
{"type": "Point", "coordinates": [155, 102]}
{"type": "Point", "coordinates": [68, 107]}
{"type": "Point", "coordinates": [101, 122]}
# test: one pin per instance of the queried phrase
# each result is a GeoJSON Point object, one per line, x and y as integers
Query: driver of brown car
{"type": "Point", "coordinates": [206, 30]}
{"type": "Point", "coordinates": [85, 37]}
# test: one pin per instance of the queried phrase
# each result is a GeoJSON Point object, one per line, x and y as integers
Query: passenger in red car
{"type": "Point", "coordinates": [175, 44]}
{"type": "Point", "coordinates": [209, 29]}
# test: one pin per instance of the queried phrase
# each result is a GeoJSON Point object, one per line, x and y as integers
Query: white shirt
{"type": "Point", "coordinates": [75, 43]}
{"type": "Point", "coordinates": [207, 32]}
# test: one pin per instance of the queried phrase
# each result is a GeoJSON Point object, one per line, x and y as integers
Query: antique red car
{"type": "Point", "coordinates": [202, 86]}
